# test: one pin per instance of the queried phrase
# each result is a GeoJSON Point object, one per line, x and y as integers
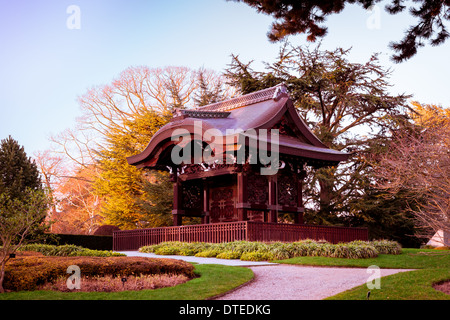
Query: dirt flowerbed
{"type": "Point", "coordinates": [33, 271]}
{"type": "Point", "coordinates": [443, 286]}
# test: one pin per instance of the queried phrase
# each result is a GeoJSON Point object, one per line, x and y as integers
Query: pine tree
{"type": "Point", "coordinates": [17, 171]}
{"type": "Point", "coordinates": [340, 101]}
{"type": "Point", "coordinates": [23, 202]}
{"type": "Point", "coordinates": [308, 17]}
{"type": "Point", "coordinates": [209, 90]}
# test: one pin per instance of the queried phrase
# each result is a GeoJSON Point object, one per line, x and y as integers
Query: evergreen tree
{"type": "Point", "coordinates": [17, 171]}
{"type": "Point", "coordinates": [23, 202]}
{"type": "Point", "coordinates": [19, 181]}
{"type": "Point", "coordinates": [345, 104]}
{"type": "Point", "coordinates": [308, 16]}
{"type": "Point", "coordinates": [209, 90]}
{"type": "Point", "coordinates": [157, 199]}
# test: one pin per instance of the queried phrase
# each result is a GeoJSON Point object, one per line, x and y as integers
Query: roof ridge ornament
{"type": "Point", "coordinates": [280, 92]}
{"type": "Point", "coordinates": [179, 114]}
{"type": "Point", "coordinates": [275, 93]}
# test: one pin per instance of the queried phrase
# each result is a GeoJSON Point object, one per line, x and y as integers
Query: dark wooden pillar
{"type": "Point", "coordinates": [177, 213]}
{"type": "Point", "coordinates": [273, 203]}
{"type": "Point", "coordinates": [299, 215]}
{"type": "Point", "coordinates": [205, 214]}
{"type": "Point", "coordinates": [242, 196]}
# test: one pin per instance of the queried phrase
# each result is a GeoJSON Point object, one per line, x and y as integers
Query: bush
{"type": "Point", "coordinates": [52, 250]}
{"type": "Point", "coordinates": [68, 250]}
{"type": "Point", "coordinates": [385, 246]}
{"type": "Point", "coordinates": [257, 256]}
{"type": "Point", "coordinates": [229, 255]}
{"type": "Point", "coordinates": [209, 253]}
{"type": "Point", "coordinates": [278, 250]}
{"type": "Point", "coordinates": [96, 253]}
{"type": "Point", "coordinates": [113, 284]}
{"type": "Point", "coordinates": [167, 251]}
{"type": "Point", "coordinates": [361, 251]}
{"type": "Point", "coordinates": [176, 248]}
{"type": "Point", "coordinates": [29, 272]}
{"type": "Point", "coordinates": [94, 242]}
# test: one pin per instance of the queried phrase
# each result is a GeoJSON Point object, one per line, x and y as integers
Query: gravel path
{"type": "Point", "coordinates": [287, 282]}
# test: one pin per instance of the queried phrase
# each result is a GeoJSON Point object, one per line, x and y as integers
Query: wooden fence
{"type": "Point", "coordinates": [126, 240]}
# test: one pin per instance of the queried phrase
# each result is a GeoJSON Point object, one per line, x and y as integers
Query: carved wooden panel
{"type": "Point", "coordinates": [223, 204]}
{"type": "Point", "coordinates": [192, 196]}
{"type": "Point", "coordinates": [255, 215]}
{"type": "Point", "coordinates": [258, 189]}
{"type": "Point", "coordinates": [287, 190]}
{"type": "Point", "coordinates": [285, 128]}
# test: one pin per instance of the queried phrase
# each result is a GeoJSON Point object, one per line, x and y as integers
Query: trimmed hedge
{"type": "Point", "coordinates": [257, 251]}
{"type": "Point", "coordinates": [94, 242]}
{"type": "Point", "coordinates": [28, 272]}
{"type": "Point", "coordinates": [68, 250]}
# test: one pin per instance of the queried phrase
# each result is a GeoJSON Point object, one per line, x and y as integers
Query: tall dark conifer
{"type": "Point", "coordinates": [348, 106]}
{"type": "Point", "coordinates": [17, 171]}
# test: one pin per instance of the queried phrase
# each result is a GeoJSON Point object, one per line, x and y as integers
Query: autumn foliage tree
{"type": "Point", "coordinates": [419, 159]}
{"type": "Point", "coordinates": [78, 206]}
{"type": "Point", "coordinates": [119, 183]}
{"type": "Point", "coordinates": [118, 120]}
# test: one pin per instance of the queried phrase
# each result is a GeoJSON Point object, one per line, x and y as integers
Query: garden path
{"type": "Point", "coordinates": [294, 282]}
{"type": "Point", "coordinates": [288, 282]}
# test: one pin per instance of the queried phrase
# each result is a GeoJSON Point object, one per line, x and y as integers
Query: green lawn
{"type": "Point", "coordinates": [213, 280]}
{"type": "Point", "coordinates": [408, 259]}
{"type": "Point", "coordinates": [413, 285]}
{"type": "Point", "coordinates": [433, 266]}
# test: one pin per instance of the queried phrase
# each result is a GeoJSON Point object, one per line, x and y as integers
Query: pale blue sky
{"type": "Point", "coordinates": [44, 65]}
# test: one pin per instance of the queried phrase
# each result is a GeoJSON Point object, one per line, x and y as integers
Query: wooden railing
{"type": "Point", "coordinates": [263, 231]}
{"type": "Point", "coordinates": [126, 240]}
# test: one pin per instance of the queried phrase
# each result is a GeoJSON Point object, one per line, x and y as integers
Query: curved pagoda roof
{"type": "Point", "coordinates": [270, 108]}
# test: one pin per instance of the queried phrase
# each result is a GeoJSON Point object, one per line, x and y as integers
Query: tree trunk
{"type": "Point", "coordinates": [325, 194]}
{"type": "Point", "coordinates": [326, 183]}
{"type": "Point", "coordinates": [2, 275]}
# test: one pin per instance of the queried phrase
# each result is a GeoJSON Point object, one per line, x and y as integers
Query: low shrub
{"type": "Point", "coordinates": [68, 250]}
{"type": "Point", "coordinates": [176, 248]}
{"type": "Point", "coordinates": [361, 251]}
{"type": "Point", "coordinates": [278, 250]}
{"type": "Point", "coordinates": [257, 256]}
{"type": "Point", "coordinates": [209, 253]}
{"type": "Point", "coordinates": [229, 255]}
{"type": "Point", "coordinates": [29, 272]}
{"type": "Point", "coordinates": [96, 253]}
{"type": "Point", "coordinates": [167, 251]}
{"type": "Point", "coordinates": [385, 246]}
{"type": "Point", "coordinates": [53, 250]}
{"type": "Point", "coordinates": [112, 284]}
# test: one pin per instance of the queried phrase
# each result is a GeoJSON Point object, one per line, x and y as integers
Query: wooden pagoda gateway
{"type": "Point", "coordinates": [237, 164]}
